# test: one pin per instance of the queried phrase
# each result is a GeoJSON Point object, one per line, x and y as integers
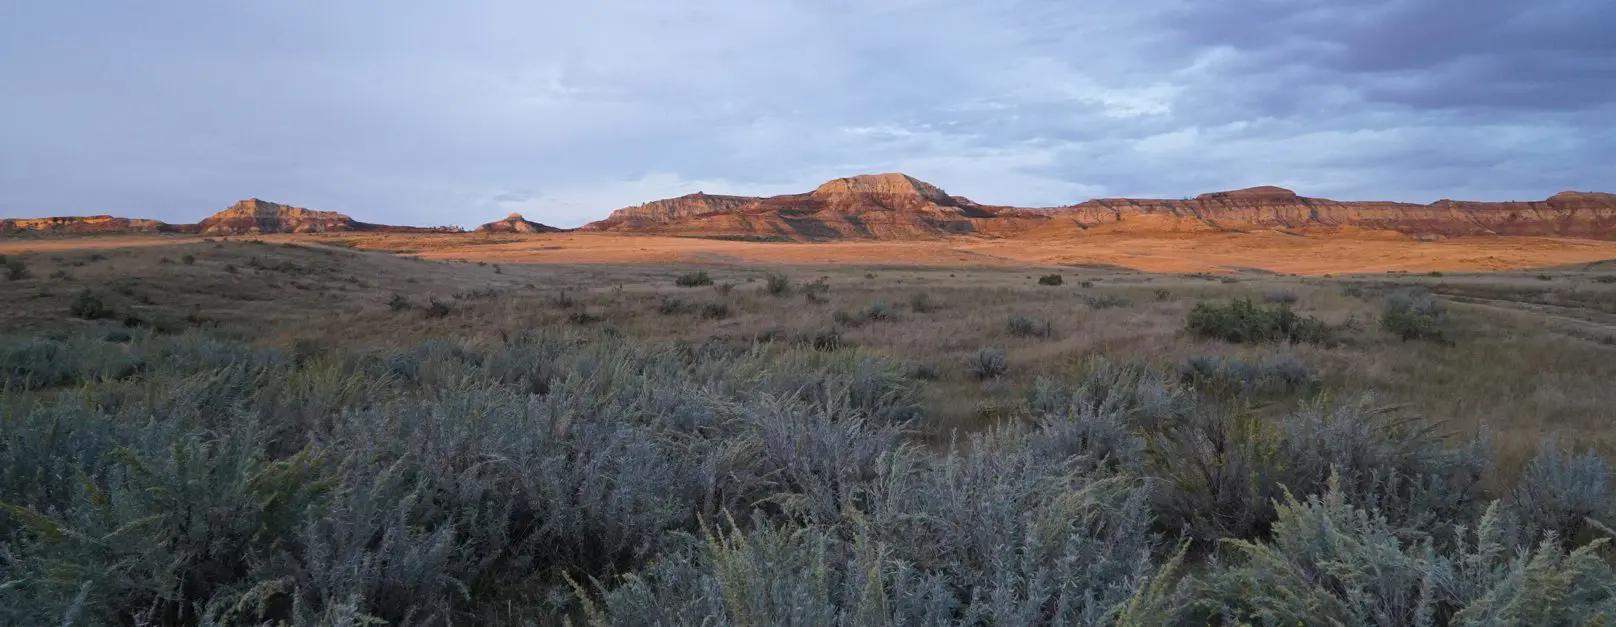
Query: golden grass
{"type": "Point", "coordinates": [1532, 356]}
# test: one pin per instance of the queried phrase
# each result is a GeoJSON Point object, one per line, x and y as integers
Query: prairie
{"type": "Point", "coordinates": [429, 429]}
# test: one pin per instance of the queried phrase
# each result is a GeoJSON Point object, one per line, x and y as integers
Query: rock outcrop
{"type": "Point", "coordinates": [87, 225]}
{"type": "Point", "coordinates": [254, 216]}
{"type": "Point", "coordinates": [515, 223]}
{"type": "Point", "coordinates": [876, 206]}
{"type": "Point", "coordinates": [1589, 215]}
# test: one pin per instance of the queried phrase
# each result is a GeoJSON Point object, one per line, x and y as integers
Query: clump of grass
{"type": "Point", "coordinates": [1085, 284]}
{"type": "Point", "coordinates": [987, 363]}
{"type": "Point", "coordinates": [715, 311]}
{"type": "Point", "coordinates": [1281, 296]}
{"type": "Point", "coordinates": [16, 269]}
{"type": "Point", "coordinates": [777, 284]}
{"type": "Point", "coordinates": [1050, 279]}
{"type": "Point", "coordinates": [698, 278]}
{"type": "Point", "coordinates": [87, 306]}
{"type": "Point", "coordinates": [922, 302]}
{"type": "Point", "coordinates": [723, 289]}
{"type": "Point", "coordinates": [1415, 314]}
{"type": "Point", "coordinates": [1022, 326]}
{"type": "Point", "coordinates": [815, 292]}
{"type": "Point", "coordinates": [1244, 322]}
{"type": "Point", "coordinates": [563, 300]}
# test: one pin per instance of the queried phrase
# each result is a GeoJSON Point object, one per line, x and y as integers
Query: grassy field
{"type": "Point", "coordinates": [353, 432]}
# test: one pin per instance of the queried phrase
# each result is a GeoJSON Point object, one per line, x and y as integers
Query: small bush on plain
{"type": "Point", "coordinates": [1022, 326]}
{"type": "Point", "coordinates": [1050, 279]}
{"type": "Point", "coordinates": [777, 284]}
{"type": "Point", "coordinates": [88, 306]}
{"type": "Point", "coordinates": [698, 278]}
{"type": "Point", "coordinates": [987, 363]}
{"type": "Point", "coordinates": [1243, 322]}
{"type": "Point", "coordinates": [16, 269]}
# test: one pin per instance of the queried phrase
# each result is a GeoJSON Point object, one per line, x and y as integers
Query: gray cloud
{"type": "Point", "coordinates": [428, 113]}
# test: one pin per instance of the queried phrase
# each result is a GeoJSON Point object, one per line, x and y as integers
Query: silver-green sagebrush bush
{"type": "Point", "coordinates": [195, 480]}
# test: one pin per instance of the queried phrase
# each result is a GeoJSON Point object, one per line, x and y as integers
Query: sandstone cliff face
{"type": "Point", "coordinates": [254, 216]}
{"type": "Point", "coordinates": [84, 225]}
{"type": "Point", "coordinates": [1570, 214]}
{"type": "Point", "coordinates": [879, 206]}
{"type": "Point", "coordinates": [515, 223]}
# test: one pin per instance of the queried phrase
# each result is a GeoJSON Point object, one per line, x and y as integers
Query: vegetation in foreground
{"type": "Point", "coordinates": [194, 480]}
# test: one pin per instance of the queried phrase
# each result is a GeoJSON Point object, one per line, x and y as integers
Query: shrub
{"type": "Point", "coordinates": [1607, 278]}
{"type": "Point", "coordinates": [1244, 322]}
{"type": "Point", "coordinates": [715, 311]}
{"type": "Point", "coordinates": [398, 302]}
{"type": "Point", "coordinates": [16, 269]}
{"type": "Point", "coordinates": [1105, 301]}
{"type": "Point", "coordinates": [436, 309]}
{"type": "Point", "coordinates": [87, 306]}
{"type": "Point", "coordinates": [1435, 273]}
{"type": "Point", "coordinates": [230, 268]}
{"type": "Point", "coordinates": [1162, 294]}
{"type": "Point", "coordinates": [1282, 374]}
{"type": "Point", "coordinates": [1414, 314]}
{"type": "Point", "coordinates": [777, 284]}
{"type": "Point", "coordinates": [188, 259]}
{"type": "Point", "coordinates": [672, 306]}
{"type": "Point", "coordinates": [1561, 494]}
{"type": "Point", "coordinates": [1022, 326]}
{"type": "Point", "coordinates": [582, 317]}
{"type": "Point", "coordinates": [879, 311]}
{"type": "Point", "coordinates": [1545, 277]}
{"type": "Point", "coordinates": [698, 278]}
{"type": "Point", "coordinates": [987, 363]}
{"type": "Point", "coordinates": [922, 302]}
{"type": "Point", "coordinates": [1279, 297]}
{"type": "Point", "coordinates": [1086, 284]}
{"type": "Point", "coordinates": [564, 300]}
{"type": "Point", "coordinates": [1050, 279]}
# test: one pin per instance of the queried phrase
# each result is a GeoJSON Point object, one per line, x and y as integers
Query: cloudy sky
{"type": "Point", "coordinates": [418, 112]}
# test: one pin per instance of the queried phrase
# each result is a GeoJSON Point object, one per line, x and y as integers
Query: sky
{"type": "Point", "coordinates": [440, 113]}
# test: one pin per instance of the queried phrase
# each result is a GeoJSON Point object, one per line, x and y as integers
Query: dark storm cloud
{"type": "Point", "coordinates": [428, 113]}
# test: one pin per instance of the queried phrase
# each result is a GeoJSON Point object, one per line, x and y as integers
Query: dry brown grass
{"type": "Point", "coordinates": [1531, 356]}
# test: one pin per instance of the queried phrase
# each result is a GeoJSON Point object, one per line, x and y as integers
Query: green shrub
{"type": "Point", "coordinates": [1607, 278]}
{"type": "Point", "coordinates": [1280, 296]}
{"type": "Point", "coordinates": [1243, 322]}
{"type": "Point", "coordinates": [87, 306]}
{"type": "Point", "coordinates": [1162, 294]}
{"type": "Point", "coordinates": [188, 259]}
{"type": "Point", "coordinates": [398, 302]}
{"type": "Point", "coordinates": [698, 278]}
{"type": "Point", "coordinates": [1050, 279]}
